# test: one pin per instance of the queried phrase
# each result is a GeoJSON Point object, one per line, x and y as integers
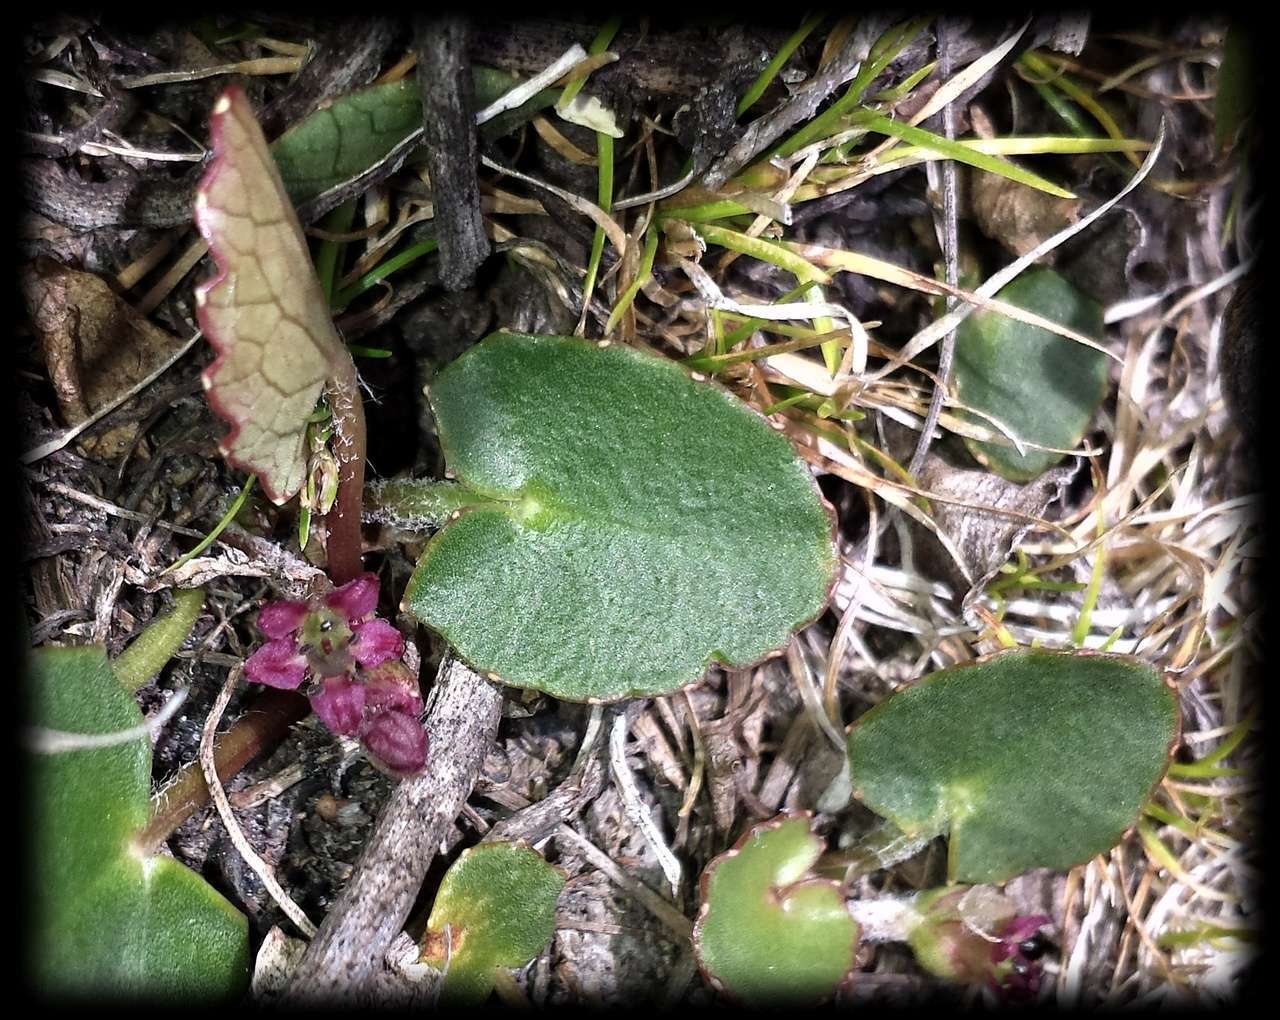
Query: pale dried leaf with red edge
{"type": "Point", "coordinates": [264, 312]}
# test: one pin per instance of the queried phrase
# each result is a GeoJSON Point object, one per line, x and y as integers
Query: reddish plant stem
{"type": "Point", "coordinates": [259, 729]}
{"type": "Point", "coordinates": [345, 544]}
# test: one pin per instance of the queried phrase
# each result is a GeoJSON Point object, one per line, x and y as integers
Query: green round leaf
{"type": "Point", "coordinates": [768, 933]}
{"type": "Point", "coordinates": [498, 902]}
{"type": "Point", "coordinates": [1043, 387]}
{"type": "Point", "coordinates": [639, 523]}
{"type": "Point", "coordinates": [110, 922]}
{"type": "Point", "coordinates": [1029, 758]}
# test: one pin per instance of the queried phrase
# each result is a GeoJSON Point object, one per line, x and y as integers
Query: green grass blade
{"type": "Point", "coordinates": [338, 222]}
{"type": "Point", "coordinates": [888, 46]}
{"type": "Point", "coordinates": [960, 153]}
{"type": "Point", "coordinates": [642, 275]}
{"type": "Point", "coordinates": [715, 362]}
{"type": "Point", "coordinates": [218, 528]}
{"type": "Point", "coordinates": [705, 212]}
{"type": "Point", "coordinates": [604, 157]}
{"type": "Point", "coordinates": [765, 251]}
{"type": "Point", "coordinates": [757, 89]}
{"type": "Point", "coordinates": [1039, 68]}
{"type": "Point", "coordinates": [604, 160]}
{"type": "Point", "coordinates": [598, 45]}
{"type": "Point", "coordinates": [383, 270]}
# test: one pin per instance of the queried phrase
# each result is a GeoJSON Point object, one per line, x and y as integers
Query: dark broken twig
{"type": "Point", "coordinates": [449, 136]}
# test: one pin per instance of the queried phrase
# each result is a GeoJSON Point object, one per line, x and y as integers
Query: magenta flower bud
{"type": "Point", "coordinates": [280, 619]}
{"type": "Point", "coordinates": [340, 705]}
{"type": "Point", "coordinates": [392, 687]}
{"type": "Point", "coordinates": [277, 664]}
{"type": "Point", "coordinates": [976, 936]}
{"type": "Point", "coordinates": [395, 742]}
{"type": "Point", "coordinates": [376, 642]}
{"type": "Point", "coordinates": [356, 599]}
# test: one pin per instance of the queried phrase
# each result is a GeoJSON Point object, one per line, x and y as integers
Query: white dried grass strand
{"type": "Point", "coordinates": [526, 90]}
{"type": "Point", "coordinates": [234, 832]}
{"type": "Point", "coordinates": [935, 331]}
{"type": "Point", "coordinates": [635, 809]}
{"type": "Point", "coordinates": [42, 740]}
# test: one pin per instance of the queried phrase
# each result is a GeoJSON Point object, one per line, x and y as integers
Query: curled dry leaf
{"type": "Point", "coordinates": [989, 519]}
{"type": "Point", "coordinates": [1017, 216]}
{"type": "Point", "coordinates": [95, 346]}
{"type": "Point", "coordinates": [264, 312]}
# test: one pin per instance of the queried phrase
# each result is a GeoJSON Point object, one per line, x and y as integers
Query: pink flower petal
{"type": "Point", "coordinates": [395, 741]}
{"type": "Point", "coordinates": [356, 599]}
{"type": "Point", "coordinates": [376, 642]}
{"type": "Point", "coordinates": [277, 664]}
{"type": "Point", "coordinates": [392, 687]}
{"type": "Point", "coordinates": [340, 705]}
{"type": "Point", "coordinates": [280, 619]}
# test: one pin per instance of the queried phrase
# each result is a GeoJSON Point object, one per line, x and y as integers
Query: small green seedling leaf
{"type": "Point", "coordinates": [110, 921]}
{"type": "Point", "coordinates": [264, 312]}
{"type": "Point", "coordinates": [639, 523]}
{"type": "Point", "coordinates": [351, 135]}
{"type": "Point", "coordinates": [1027, 758]}
{"type": "Point", "coordinates": [1043, 387]}
{"type": "Point", "coordinates": [768, 932]}
{"type": "Point", "coordinates": [495, 908]}
{"type": "Point", "coordinates": [346, 138]}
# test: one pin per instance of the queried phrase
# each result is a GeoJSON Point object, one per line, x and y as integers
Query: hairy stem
{"type": "Point", "coordinates": [154, 647]}
{"type": "Point", "coordinates": [419, 504]}
{"type": "Point", "coordinates": [345, 545]}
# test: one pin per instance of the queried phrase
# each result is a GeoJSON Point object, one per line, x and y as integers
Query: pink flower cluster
{"type": "Point", "coordinates": [349, 661]}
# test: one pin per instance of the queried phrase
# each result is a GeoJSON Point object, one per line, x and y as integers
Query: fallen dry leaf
{"type": "Point", "coordinates": [95, 346]}
{"type": "Point", "coordinates": [1015, 215]}
{"type": "Point", "coordinates": [985, 540]}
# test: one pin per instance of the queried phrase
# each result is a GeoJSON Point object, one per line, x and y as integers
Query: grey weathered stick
{"type": "Point", "coordinates": [346, 957]}
{"type": "Point", "coordinates": [539, 820]}
{"type": "Point", "coordinates": [348, 57]}
{"type": "Point", "coordinates": [66, 198]}
{"type": "Point", "coordinates": [449, 135]}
